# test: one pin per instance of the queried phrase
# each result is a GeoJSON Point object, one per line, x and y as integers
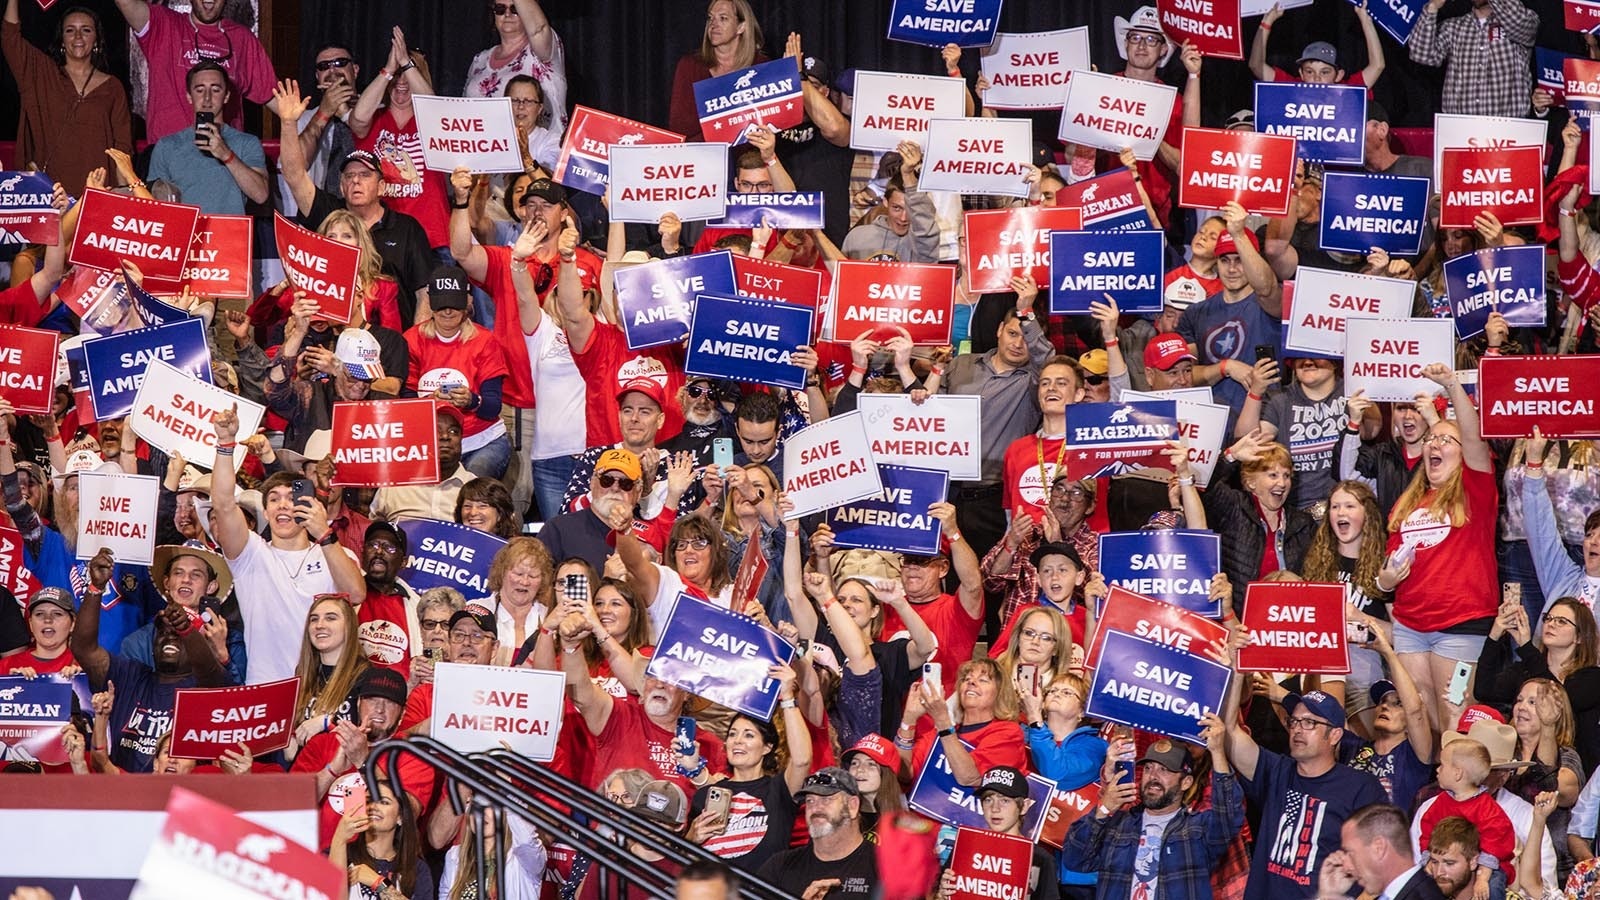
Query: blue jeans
{"type": "Point", "coordinates": [550, 477]}
{"type": "Point", "coordinates": [490, 460]}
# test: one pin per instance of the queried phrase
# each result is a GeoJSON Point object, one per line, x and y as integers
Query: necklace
{"type": "Point", "coordinates": [82, 89]}
{"type": "Point", "coordinates": [298, 569]}
{"type": "Point", "coordinates": [1046, 478]}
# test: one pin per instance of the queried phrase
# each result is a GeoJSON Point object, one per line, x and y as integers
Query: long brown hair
{"type": "Point", "coordinates": [638, 622]}
{"type": "Point", "coordinates": [1059, 661]}
{"type": "Point", "coordinates": [691, 527]}
{"type": "Point", "coordinates": [750, 42]}
{"type": "Point", "coordinates": [1584, 653]}
{"type": "Point", "coordinates": [407, 846]}
{"type": "Point", "coordinates": [1449, 499]}
{"type": "Point", "coordinates": [1322, 557]}
{"type": "Point", "coordinates": [319, 697]}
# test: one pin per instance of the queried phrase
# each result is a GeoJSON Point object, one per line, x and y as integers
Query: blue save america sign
{"type": "Point", "coordinates": [747, 340]}
{"type": "Point", "coordinates": [934, 23]}
{"type": "Point", "coordinates": [1114, 438]}
{"type": "Point", "coordinates": [1508, 280]}
{"type": "Point", "coordinates": [939, 796]}
{"type": "Point", "coordinates": [1087, 265]}
{"type": "Point", "coordinates": [656, 299]}
{"type": "Point", "coordinates": [1397, 17]}
{"type": "Point", "coordinates": [1327, 121]}
{"type": "Point", "coordinates": [720, 655]}
{"type": "Point", "coordinates": [1146, 685]}
{"type": "Point", "coordinates": [764, 94]}
{"type": "Point", "coordinates": [798, 209]}
{"type": "Point", "coordinates": [1172, 566]}
{"type": "Point", "coordinates": [116, 364]}
{"type": "Point", "coordinates": [444, 554]}
{"type": "Point", "coordinates": [897, 519]}
{"type": "Point", "coordinates": [1361, 212]}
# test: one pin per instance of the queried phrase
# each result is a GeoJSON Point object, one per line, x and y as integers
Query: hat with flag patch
{"type": "Point", "coordinates": [358, 352]}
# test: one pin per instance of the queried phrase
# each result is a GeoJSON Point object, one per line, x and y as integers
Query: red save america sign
{"type": "Point", "coordinates": [1554, 393]}
{"type": "Point", "coordinates": [889, 297]}
{"type": "Point", "coordinates": [219, 260]}
{"type": "Point", "coordinates": [1153, 620]}
{"type": "Point", "coordinates": [325, 269]}
{"type": "Point", "coordinates": [28, 367]}
{"type": "Point", "coordinates": [1256, 170]}
{"type": "Point", "coordinates": [154, 236]}
{"type": "Point", "coordinates": [987, 864]}
{"type": "Point", "coordinates": [1505, 181]}
{"type": "Point", "coordinates": [208, 721]}
{"type": "Point", "coordinates": [1065, 808]}
{"type": "Point", "coordinates": [380, 443]}
{"type": "Point", "coordinates": [1003, 244]}
{"type": "Point", "coordinates": [1211, 25]}
{"type": "Point", "coordinates": [1295, 627]}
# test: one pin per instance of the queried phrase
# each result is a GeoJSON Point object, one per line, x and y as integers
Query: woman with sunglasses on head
{"type": "Point", "coordinates": [528, 46]}
{"type": "Point", "coordinates": [695, 563]}
{"type": "Point", "coordinates": [1062, 748]}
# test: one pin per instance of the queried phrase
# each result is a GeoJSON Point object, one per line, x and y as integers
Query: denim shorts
{"type": "Point", "coordinates": [1459, 647]}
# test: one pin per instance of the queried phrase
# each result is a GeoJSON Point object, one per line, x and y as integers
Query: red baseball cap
{"type": "Point", "coordinates": [1478, 713]}
{"type": "Point", "coordinates": [878, 749]}
{"type": "Point", "coordinates": [1226, 244]}
{"type": "Point", "coordinates": [451, 410]}
{"type": "Point", "coordinates": [1165, 351]}
{"type": "Point", "coordinates": [647, 386]}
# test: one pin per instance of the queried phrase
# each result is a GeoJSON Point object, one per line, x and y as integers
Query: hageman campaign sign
{"type": "Point", "coordinates": [476, 132]}
{"type": "Point", "coordinates": [584, 164]}
{"type": "Point", "coordinates": [477, 707]}
{"type": "Point", "coordinates": [32, 711]}
{"type": "Point", "coordinates": [747, 340]}
{"type": "Point", "coordinates": [444, 554]}
{"type": "Point", "coordinates": [1109, 112]}
{"type": "Point", "coordinates": [1030, 70]}
{"type": "Point", "coordinates": [1581, 15]}
{"type": "Point", "coordinates": [828, 464]}
{"type": "Point", "coordinates": [1507, 280]}
{"type": "Point", "coordinates": [1549, 73]}
{"type": "Point", "coordinates": [27, 213]}
{"type": "Point", "coordinates": [1172, 566]}
{"type": "Point", "coordinates": [1362, 211]}
{"type": "Point", "coordinates": [209, 721]}
{"type": "Point", "coordinates": [799, 209]}
{"type": "Point", "coordinates": [1295, 627]}
{"type": "Point", "coordinates": [1581, 88]}
{"type": "Point", "coordinates": [1087, 265]}
{"type": "Point", "coordinates": [1153, 620]}
{"type": "Point", "coordinates": [721, 656]}
{"type": "Point", "coordinates": [1155, 687]}
{"type": "Point", "coordinates": [897, 519]}
{"type": "Point", "coordinates": [117, 363]}
{"type": "Point", "coordinates": [939, 796]}
{"type": "Point", "coordinates": [656, 299]}
{"type": "Point", "coordinates": [935, 23]}
{"type": "Point", "coordinates": [690, 180]}
{"type": "Point", "coordinates": [944, 432]}
{"type": "Point", "coordinates": [890, 107]}
{"type": "Point", "coordinates": [1556, 394]}
{"type": "Point", "coordinates": [1385, 357]}
{"type": "Point", "coordinates": [1109, 202]}
{"type": "Point", "coordinates": [1327, 121]}
{"type": "Point", "coordinates": [765, 94]}
{"type": "Point", "coordinates": [1116, 438]}
{"type": "Point", "coordinates": [1012, 242]}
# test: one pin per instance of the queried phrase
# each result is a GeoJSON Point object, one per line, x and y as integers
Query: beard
{"type": "Point", "coordinates": [604, 507]}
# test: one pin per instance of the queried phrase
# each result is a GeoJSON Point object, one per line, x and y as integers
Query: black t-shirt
{"type": "Point", "coordinates": [894, 662]}
{"type": "Point", "coordinates": [793, 871]}
{"type": "Point", "coordinates": [816, 164]}
{"type": "Point", "coordinates": [760, 821]}
{"type": "Point", "coordinates": [1376, 607]}
{"type": "Point", "coordinates": [140, 713]}
{"type": "Point", "coordinates": [403, 245]}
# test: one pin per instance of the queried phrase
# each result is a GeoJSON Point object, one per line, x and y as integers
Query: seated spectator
{"type": "Point", "coordinates": [331, 660]}
{"type": "Point", "coordinates": [1463, 768]}
{"type": "Point", "coordinates": [431, 501]}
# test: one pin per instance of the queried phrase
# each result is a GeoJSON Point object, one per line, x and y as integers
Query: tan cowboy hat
{"type": "Point", "coordinates": [164, 555]}
{"type": "Point", "coordinates": [1498, 738]}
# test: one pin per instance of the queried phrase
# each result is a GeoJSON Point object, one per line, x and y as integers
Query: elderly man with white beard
{"type": "Point", "coordinates": [616, 483]}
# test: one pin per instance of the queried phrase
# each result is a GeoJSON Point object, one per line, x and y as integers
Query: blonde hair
{"type": "Point", "coordinates": [1472, 758]}
{"type": "Point", "coordinates": [370, 267]}
{"type": "Point", "coordinates": [1449, 499]}
{"type": "Point", "coordinates": [750, 41]}
{"type": "Point", "coordinates": [1060, 659]}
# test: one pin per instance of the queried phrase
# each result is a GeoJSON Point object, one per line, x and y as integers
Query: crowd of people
{"type": "Point", "coordinates": [1452, 760]}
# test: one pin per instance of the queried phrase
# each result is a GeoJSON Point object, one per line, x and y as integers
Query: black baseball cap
{"type": "Point", "coordinates": [544, 189]}
{"type": "Point", "coordinates": [362, 157]}
{"type": "Point", "coordinates": [393, 531]}
{"type": "Point", "coordinates": [448, 288]}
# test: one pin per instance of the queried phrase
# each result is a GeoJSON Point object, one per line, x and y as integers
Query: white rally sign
{"type": "Point", "coordinates": [890, 107]}
{"type": "Point", "coordinates": [1202, 423]}
{"type": "Point", "coordinates": [174, 411]}
{"type": "Point", "coordinates": [118, 512]}
{"type": "Point", "coordinates": [1030, 71]}
{"type": "Point", "coordinates": [1109, 112]}
{"type": "Point", "coordinates": [1457, 132]}
{"type": "Point", "coordinates": [1325, 298]}
{"type": "Point", "coordinates": [945, 432]}
{"type": "Point", "coordinates": [477, 707]}
{"type": "Point", "coordinates": [1385, 357]}
{"type": "Point", "coordinates": [478, 133]}
{"type": "Point", "coordinates": [829, 464]}
{"type": "Point", "coordinates": [978, 156]}
{"type": "Point", "coordinates": [688, 179]}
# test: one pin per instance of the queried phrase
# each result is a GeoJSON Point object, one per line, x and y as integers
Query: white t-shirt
{"type": "Point", "coordinates": [560, 390]}
{"type": "Point", "coordinates": [483, 80]}
{"type": "Point", "coordinates": [666, 598]}
{"type": "Point", "coordinates": [1147, 859]}
{"type": "Point", "coordinates": [275, 589]}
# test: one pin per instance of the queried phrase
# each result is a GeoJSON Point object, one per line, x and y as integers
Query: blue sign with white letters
{"type": "Point", "coordinates": [1327, 121]}
{"type": "Point", "coordinates": [1087, 265]}
{"type": "Point", "coordinates": [934, 23]}
{"type": "Point", "coordinates": [1106, 439]}
{"type": "Point", "coordinates": [1509, 280]}
{"type": "Point", "coordinates": [747, 340]}
{"type": "Point", "coordinates": [798, 209]}
{"type": "Point", "coordinates": [1362, 211]}
{"type": "Point", "coordinates": [765, 94]}
{"type": "Point", "coordinates": [720, 655]}
{"type": "Point", "coordinates": [27, 209]}
{"type": "Point", "coordinates": [1549, 68]}
{"type": "Point", "coordinates": [1172, 566]}
{"type": "Point", "coordinates": [444, 554]}
{"type": "Point", "coordinates": [897, 519]}
{"type": "Point", "coordinates": [656, 298]}
{"type": "Point", "coordinates": [1155, 687]}
{"type": "Point", "coordinates": [152, 309]}
{"type": "Point", "coordinates": [1397, 17]}
{"type": "Point", "coordinates": [116, 364]}
{"type": "Point", "coordinates": [940, 797]}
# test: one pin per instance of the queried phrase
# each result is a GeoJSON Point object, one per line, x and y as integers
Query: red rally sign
{"type": "Point", "coordinates": [1217, 166]}
{"type": "Point", "coordinates": [1295, 627]}
{"type": "Point", "coordinates": [764, 280]}
{"type": "Point", "coordinates": [219, 260]}
{"type": "Point", "coordinates": [1581, 15]}
{"type": "Point", "coordinates": [1065, 808]}
{"type": "Point", "coordinates": [322, 267]}
{"type": "Point", "coordinates": [380, 443]}
{"type": "Point", "coordinates": [1211, 25]}
{"type": "Point", "coordinates": [1505, 181]}
{"type": "Point", "coordinates": [84, 287]}
{"type": "Point", "coordinates": [890, 296]}
{"type": "Point", "coordinates": [154, 236]}
{"type": "Point", "coordinates": [1582, 81]}
{"type": "Point", "coordinates": [1005, 243]}
{"type": "Point", "coordinates": [208, 721]}
{"type": "Point", "coordinates": [1153, 620]}
{"type": "Point", "coordinates": [28, 367]}
{"type": "Point", "coordinates": [1555, 393]}
{"type": "Point", "coordinates": [991, 866]}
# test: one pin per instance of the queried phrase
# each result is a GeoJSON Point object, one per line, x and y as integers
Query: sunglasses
{"type": "Point", "coordinates": [1094, 379]}
{"type": "Point", "coordinates": [503, 9]}
{"type": "Point", "coordinates": [339, 63]}
{"type": "Point", "coordinates": [698, 390]}
{"type": "Point", "coordinates": [621, 482]}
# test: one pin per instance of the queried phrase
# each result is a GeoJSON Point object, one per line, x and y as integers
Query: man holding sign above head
{"type": "Point", "coordinates": [216, 167]}
{"type": "Point", "coordinates": [1319, 61]}
{"type": "Point", "coordinates": [755, 171]}
{"type": "Point", "coordinates": [1142, 42]}
{"type": "Point", "coordinates": [908, 231]}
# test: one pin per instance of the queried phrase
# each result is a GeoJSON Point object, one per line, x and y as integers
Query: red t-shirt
{"type": "Point", "coordinates": [519, 389]}
{"type": "Point", "coordinates": [1212, 285]}
{"type": "Point", "coordinates": [1495, 833]}
{"type": "Point", "coordinates": [606, 364]}
{"type": "Point", "coordinates": [463, 361]}
{"type": "Point", "coordinates": [20, 306]}
{"type": "Point", "coordinates": [994, 743]}
{"type": "Point", "coordinates": [408, 186]}
{"type": "Point", "coordinates": [1020, 473]}
{"type": "Point", "coordinates": [1454, 576]}
{"type": "Point", "coordinates": [1356, 78]}
{"type": "Point", "coordinates": [24, 659]}
{"type": "Point", "coordinates": [948, 620]}
{"type": "Point", "coordinates": [1077, 619]}
{"type": "Point", "coordinates": [385, 635]}
{"type": "Point", "coordinates": [416, 778]}
{"type": "Point", "coordinates": [631, 741]}
{"type": "Point", "coordinates": [419, 707]}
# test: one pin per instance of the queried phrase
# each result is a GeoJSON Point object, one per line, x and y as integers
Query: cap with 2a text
{"type": "Point", "coordinates": [619, 459]}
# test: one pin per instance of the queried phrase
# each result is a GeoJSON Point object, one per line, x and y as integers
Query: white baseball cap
{"type": "Point", "coordinates": [358, 351]}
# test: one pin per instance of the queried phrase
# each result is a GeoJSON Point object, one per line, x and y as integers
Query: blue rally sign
{"type": "Point", "coordinates": [798, 209]}
{"type": "Point", "coordinates": [27, 215]}
{"type": "Point", "coordinates": [1361, 211]}
{"type": "Point", "coordinates": [1155, 687]}
{"type": "Point", "coordinates": [720, 655]}
{"type": "Point", "coordinates": [765, 94]}
{"type": "Point", "coordinates": [1087, 265]}
{"type": "Point", "coordinates": [897, 519]}
{"type": "Point", "coordinates": [1397, 17]}
{"type": "Point", "coordinates": [1115, 438]}
{"type": "Point", "coordinates": [656, 298]}
{"type": "Point", "coordinates": [1509, 280]}
{"type": "Point", "coordinates": [747, 340]}
{"type": "Point", "coordinates": [939, 796]}
{"type": "Point", "coordinates": [32, 712]}
{"type": "Point", "coordinates": [1172, 566]}
{"type": "Point", "coordinates": [444, 554]}
{"type": "Point", "coordinates": [1327, 121]}
{"type": "Point", "coordinates": [934, 23]}
{"type": "Point", "coordinates": [116, 364]}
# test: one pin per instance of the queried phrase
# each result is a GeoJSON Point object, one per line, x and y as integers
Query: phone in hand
{"type": "Point", "coordinates": [718, 800]}
{"type": "Point", "coordinates": [1028, 677]}
{"type": "Point", "coordinates": [722, 454]}
{"type": "Point", "coordinates": [1511, 592]}
{"type": "Point", "coordinates": [933, 673]}
{"type": "Point", "coordinates": [686, 730]}
{"type": "Point", "coordinates": [303, 490]}
{"type": "Point", "coordinates": [1266, 351]}
{"type": "Point", "coordinates": [202, 119]}
{"type": "Point", "coordinates": [1457, 691]}
{"type": "Point", "coordinates": [575, 586]}
{"type": "Point", "coordinates": [1357, 633]}
{"type": "Point", "coordinates": [355, 802]}
{"type": "Point", "coordinates": [434, 653]}
{"type": "Point", "coordinates": [1402, 556]}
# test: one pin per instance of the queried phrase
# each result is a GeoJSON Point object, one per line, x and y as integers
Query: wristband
{"type": "Point", "coordinates": [1265, 27]}
{"type": "Point", "coordinates": [455, 205]}
{"type": "Point", "coordinates": [329, 539]}
{"type": "Point", "coordinates": [231, 157]}
{"type": "Point", "coordinates": [953, 537]}
{"type": "Point", "coordinates": [405, 68]}
{"type": "Point", "coordinates": [1253, 396]}
{"type": "Point", "coordinates": [771, 162]}
{"type": "Point", "coordinates": [1186, 481]}
{"type": "Point", "coordinates": [1533, 465]}
{"type": "Point", "coordinates": [1491, 351]}
{"type": "Point", "coordinates": [1353, 425]}
{"type": "Point", "coordinates": [788, 704]}
{"type": "Point", "coordinates": [953, 73]}
{"type": "Point", "coordinates": [387, 75]}
{"type": "Point", "coordinates": [519, 265]}
{"type": "Point", "coordinates": [53, 439]}
{"type": "Point", "coordinates": [946, 732]}
{"type": "Point", "coordinates": [828, 603]}
{"type": "Point", "coordinates": [903, 744]}
{"type": "Point", "coordinates": [225, 450]}
{"type": "Point", "coordinates": [1113, 342]}
{"type": "Point", "coordinates": [1567, 213]}
{"type": "Point", "coordinates": [1194, 76]}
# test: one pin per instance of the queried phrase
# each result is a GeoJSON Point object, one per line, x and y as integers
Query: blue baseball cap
{"type": "Point", "coordinates": [1319, 703]}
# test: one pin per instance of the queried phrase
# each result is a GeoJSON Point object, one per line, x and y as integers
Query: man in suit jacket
{"type": "Point", "coordinates": [1375, 852]}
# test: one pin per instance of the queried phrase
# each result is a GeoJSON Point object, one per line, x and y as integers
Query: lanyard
{"type": "Point", "coordinates": [1045, 478]}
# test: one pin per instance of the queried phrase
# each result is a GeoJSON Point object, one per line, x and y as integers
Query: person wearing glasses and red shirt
{"type": "Point", "coordinates": [528, 46]}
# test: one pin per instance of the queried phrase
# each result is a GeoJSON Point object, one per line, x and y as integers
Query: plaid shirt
{"type": "Point", "coordinates": [1486, 60]}
{"type": "Point", "coordinates": [1193, 844]}
{"type": "Point", "coordinates": [1020, 583]}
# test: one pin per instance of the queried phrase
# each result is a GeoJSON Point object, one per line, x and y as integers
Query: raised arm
{"type": "Point", "coordinates": [923, 644]}
{"type": "Point", "coordinates": [765, 140]}
{"type": "Point", "coordinates": [795, 732]}
{"type": "Point", "coordinates": [1369, 34]}
{"type": "Point", "coordinates": [1475, 451]}
{"type": "Point", "coordinates": [963, 560]}
{"type": "Point", "coordinates": [794, 590]}
{"type": "Point", "coordinates": [642, 572]}
{"type": "Point", "coordinates": [570, 297]}
{"type": "Point", "coordinates": [593, 703]}
{"type": "Point", "coordinates": [1258, 46]}
{"type": "Point", "coordinates": [137, 12]}
{"type": "Point", "coordinates": [1256, 268]}
{"type": "Point", "coordinates": [1242, 749]}
{"type": "Point", "coordinates": [529, 312]}
{"type": "Point", "coordinates": [473, 258]}
{"type": "Point", "coordinates": [541, 37]}
{"type": "Point", "coordinates": [86, 647]}
{"type": "Point", "coordinates": [231, 529]}
{"type": "Point", "coordinates": [291, 156]}
{"type": "Point", "coordinates": [831, 124]}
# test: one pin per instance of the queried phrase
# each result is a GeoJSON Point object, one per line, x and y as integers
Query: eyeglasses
{"type": "Point", "coordinates": [621, 482]}
{"type": "Point", "coordinates": [503, 9]}
{"type": "Point", "coordinates": [1065, 692]}
{"type": "Point", "coordinates": [1148, 40]}
{"type": "Point", "coordinates": [699, 390]}
{"type": "Point", "coordinates": [691, 544]}
{"type": "Point", "coordinates": [1551, 619]}
{"type": "Point", "coordinates": [1070, 491]}
{"type": "Point", "coordinates": [1032, 635]}
{"type": "Point", "coordinates": [462, 637]}
{"type": "Point", "coordinates": [1306, 723]}
{"type": "Point", "coordinates": [753, 187]}
{"type": "Point", "coordinates": [1439, 440]}
{"type": "Point", "coordinates": [341, 62]}
{"type": "Point", "coordinates": [526, 101]}
{"type": "Point", "coordinates": [435, 624]}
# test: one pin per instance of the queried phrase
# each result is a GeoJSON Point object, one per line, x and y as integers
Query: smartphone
{"type": "Point", "coordinates": [686, 729]}
{"type": "Point", "coordinates": [434, 653]}
{"type": "Point", "coordinates": [1402, 555]}
{"type": "Point", "coordinates": [1457, 691]}
{"type": "Point", "coordinates": [1511, 592]}
{"type": "Point", "coordinates": [1028, 677]}
{"type": "Point", "coordinates": [1357, 633]}
{"type": "Point", "coordinates": [718, 800]}
{"type": "Point", "coordinates": [355, 802]}
{"type": "Point", "coordinates": [722, 454]}
{"type": "Point", "coordinates": [576, 586]}
{"type": "Point", "coordinates": [802, 647]}
{"type": "Point", "coordinates": [933, 673]}
{"type": "Point", "coordinates": [303, 490]}
{"type": "Point", "coordinates": [1266, 351]}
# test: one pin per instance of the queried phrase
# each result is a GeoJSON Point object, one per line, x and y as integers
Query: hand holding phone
{"type": "Point", "coordinates": [722, 454]}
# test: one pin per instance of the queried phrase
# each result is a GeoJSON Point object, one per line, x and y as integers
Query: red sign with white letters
{"type": "Point", "coordinates": [1505, 181]}
{"type": "Point", "coordinates": [28, 367]}
{"type": "Point", "coordinates": [764, 280]}
{"type": "Point", "coordinates": [219, 260]}
{"type": "Point", "coordinates": [379, 443]}
{"type": "Point", "coordinates": [1217, 166]}
{"type": "Point", "coordinates": [1555, 393]}
{"type": "Point", "coordinates": [1065, 808]}
{"type": "Point", "coordinates": [154, 236]}
{"type": "Point", "coordinates": [888, 297]}
{"type": "Point", "coordinates": [1006, 243]}
{"type": "Point", "coordinates": [325, 269]}
{"type": "Point", "coordinates": [987, 864]}
{"type": "Point", "coordinates": [1153, 620]}
{"type": "Point", "coordinates": [1295, 626]}
{"type": "Point", "coordinates": [208, 721]}
{"type": "Point", "coordinates": [1211, 25]}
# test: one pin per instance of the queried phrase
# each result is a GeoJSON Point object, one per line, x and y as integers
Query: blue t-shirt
{"type": "Point", "coordinates": [1399, 771]}
{"type": "Point", "coordinates": [1300, 822]}
{"type": "Point", "coordinates": [1221, 330]}
{"type": "Point", "coordinates": [141, 712]}
{"type": "Point", "coordinates": [202, 179]}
